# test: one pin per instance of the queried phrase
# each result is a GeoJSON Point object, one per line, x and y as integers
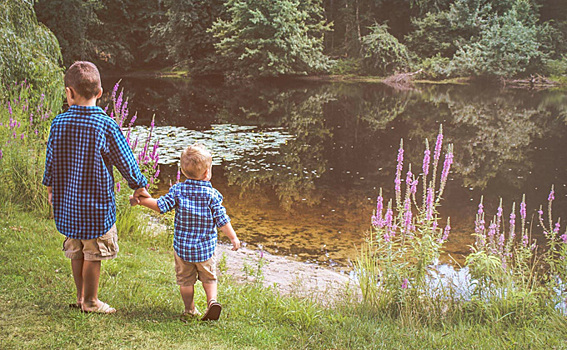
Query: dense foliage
{"type": "Point", "coordinates": [28, 50]}
{"type": "Point", "coordinates": [269, 38]}
{"type": "Point", "coordinates": [446, 38]}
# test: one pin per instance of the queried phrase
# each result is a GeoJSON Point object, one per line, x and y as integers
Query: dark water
{"type": "Point", "coordinates": [312, 196]}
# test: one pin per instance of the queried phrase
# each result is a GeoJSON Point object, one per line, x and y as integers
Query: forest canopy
{"type": "Point", "coordinates": [491, 39]}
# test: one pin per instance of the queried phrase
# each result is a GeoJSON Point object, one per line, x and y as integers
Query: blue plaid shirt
{"type": "Point", "coordinates": [198, 212]}
{"type": "Point", "coordinates": [84, 144]}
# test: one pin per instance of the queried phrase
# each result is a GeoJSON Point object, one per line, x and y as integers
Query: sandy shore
{"type": "Point", "coordinates": [289, 277]}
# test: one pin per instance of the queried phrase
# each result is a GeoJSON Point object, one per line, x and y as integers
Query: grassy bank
{"type": "Point", "coordinates": [36, 286]}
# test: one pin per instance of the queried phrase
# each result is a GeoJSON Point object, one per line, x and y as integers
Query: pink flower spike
{"type": "Point", "coordinates": [118, 187]}
{"type": "Point", "coordinates": [551, 195]}
{"type": "Point", "coordinates": [405, 283]}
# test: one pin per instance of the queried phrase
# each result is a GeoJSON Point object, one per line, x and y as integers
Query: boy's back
{"type": "Point", "coordinates": [84, 143]}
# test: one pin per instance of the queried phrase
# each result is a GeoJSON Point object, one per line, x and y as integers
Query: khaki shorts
{"type": "Point", "coordinates": [104, 247]}
{"type": "Point", "coordinates": [188, 272]}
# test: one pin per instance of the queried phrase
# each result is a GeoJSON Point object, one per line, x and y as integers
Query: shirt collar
{"type": "Point", "coordinates": [198, 182]}
{"type": "Point", "coordinates": [85, 109]}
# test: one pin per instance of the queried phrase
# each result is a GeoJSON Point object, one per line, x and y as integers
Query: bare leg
{"type": "Point", "coordinates": [77, 267]}
{"type": "Point", "coordinates": [187, 293]}
{"type": "Point", "coordinates": [91, 275]}
{"type": "Point", "coordinates": [210, 291]}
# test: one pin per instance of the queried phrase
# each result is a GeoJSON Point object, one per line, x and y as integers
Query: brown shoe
{"type": "Point", "coordinates": [213, 311]}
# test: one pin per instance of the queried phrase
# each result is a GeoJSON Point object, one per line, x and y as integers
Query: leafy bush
{"type": "Point", "coordinates": [271, 38]}
{"type": "Point", "coordinates": [435, 67]}
{"type": "Point", "coordinates": [505, 49]}
{"type": "Point", "coordinates": [28, 51]}
{"type": "Point", "coordinates": [346, 66]}
{"type": "Point", "coordinates": [382, 53]}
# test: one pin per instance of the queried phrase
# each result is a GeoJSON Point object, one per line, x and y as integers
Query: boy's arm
{"type": "Point", "coordinates": [146, 202]}
{"type": "Point", "coordinates": [122, 157]}
{"type": "Point", "coordinates": [229, 232]}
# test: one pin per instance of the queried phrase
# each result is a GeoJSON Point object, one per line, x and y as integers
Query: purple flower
{"type": "Point", "coordinates": [525, 240]}
{"type": "Point", "coordinates": [405, 283]}
{"type": "Point", "coordinates": [446, 166]}
{"type": "Point", "coordinates": [557, 227]}
{"type": "Point", "coordinates": [1, 154]}
{"type": "Point", "coordinates": [377, 219]}
{"type": "Point", "coordinates": [429, 204]}
{"type": "Point", "coordinates": [9, 108]}
{"type": "Point", "coordinates": [512, 225]}
{"type": "Point", "coordinates": [398, 179]}
{"type": "Point", "coordinates": [551, 195]}
{"type": "Point", "coordinates": [118, 187]}
{"type": "Point", "coordinates": [564, 237]}
{"type": "Point", "coordinates": [426, 160]}
{"type": "Point", "coordinates": [446, 231]}
{"type": "Point", "coordinates": [156, 174]}
{"type": "Point", "coordinates": [178, 174]}
{"type": "Point", "coordinates": [438, 145]}
{"type": "Point", "coordinates": [523, 209]}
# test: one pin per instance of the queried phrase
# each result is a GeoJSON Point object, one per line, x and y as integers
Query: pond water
{"type": "Point", "coordinates": [300, 163]}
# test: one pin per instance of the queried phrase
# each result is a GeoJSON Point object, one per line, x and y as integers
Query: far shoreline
{"type": "Point", "coordinates": [525, 83]}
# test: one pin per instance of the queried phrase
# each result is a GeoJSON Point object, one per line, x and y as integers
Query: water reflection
{"type": "Point", "coordinates": [314, 193]}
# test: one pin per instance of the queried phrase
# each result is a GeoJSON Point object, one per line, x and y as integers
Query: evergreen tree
{"type": "Point", "coordinates": [271, 38]}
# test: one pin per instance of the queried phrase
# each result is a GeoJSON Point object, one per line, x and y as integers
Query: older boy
{"type": "Point", "coordinates": [84, 145]}
{"type": "Point", "coordinates": [198, 212]}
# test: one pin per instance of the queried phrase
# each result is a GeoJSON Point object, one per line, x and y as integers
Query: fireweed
{"type": "Point", "coordinates": [407, 238]}
{"type": "Point", "coordinates": [128, 220]}
{"type": "Point", "coordinates": [511, 269]}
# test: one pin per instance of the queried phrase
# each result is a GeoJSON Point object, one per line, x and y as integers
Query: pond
{"type": "Point", "coordinates": [300, 163]}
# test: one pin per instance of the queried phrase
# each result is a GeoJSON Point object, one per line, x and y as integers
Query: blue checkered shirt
{"type": "Point", "coordinates": [84, 145]}
{"type": "Point", "coordinates": [198, 212]}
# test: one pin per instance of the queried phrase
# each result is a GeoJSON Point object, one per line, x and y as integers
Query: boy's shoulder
{"type": "Point", "coordinates": [93, 114]}
{"type": "Point", "coordinates": [195, 187]}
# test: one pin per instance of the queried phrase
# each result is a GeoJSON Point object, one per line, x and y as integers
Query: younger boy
{"type": "Point", "coordinates": [84, 144]}
{"type": "Point", "coordinates": [198, 212]}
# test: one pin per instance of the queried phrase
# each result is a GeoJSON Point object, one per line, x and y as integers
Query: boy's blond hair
{"type": "Point", "coordinates": [84, 78]}
{"type": "Point", "coordinates": [195, 160]}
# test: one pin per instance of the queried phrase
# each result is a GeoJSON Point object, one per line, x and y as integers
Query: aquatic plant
{"type": "Point", "coordinates": [407, 238]}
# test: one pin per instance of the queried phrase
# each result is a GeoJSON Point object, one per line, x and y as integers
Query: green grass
{"type": "Point", "coordinates": [36, 286]}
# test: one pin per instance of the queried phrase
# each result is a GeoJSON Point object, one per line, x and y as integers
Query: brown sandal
{"type": "Point", "coordinates": [213, 311]}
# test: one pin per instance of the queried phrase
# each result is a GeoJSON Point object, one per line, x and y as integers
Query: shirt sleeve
{"type": "Point", "coordinates": [167, 202]}
{"type": "Point", "coordinates": [47, 174]}
{"type": "Point", "coordinates": [122, 157]}
{"type": "Point", "coordinates": [218, 210]}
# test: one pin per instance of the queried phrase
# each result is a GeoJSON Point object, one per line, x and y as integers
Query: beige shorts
{"type": "Point", "coordinates": [104, 247]}
{"type": "Point", "coordinates": [188, 272]}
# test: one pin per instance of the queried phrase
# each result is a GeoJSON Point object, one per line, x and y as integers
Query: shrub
{"type": "Point", "coordinates": [382, 53]}
{"type": "Point", "coordinates": [29, 51]}
{"type": "Point", "coordinates": [505, 49]}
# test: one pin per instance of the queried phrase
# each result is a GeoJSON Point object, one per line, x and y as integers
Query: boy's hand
{"type": "Point", "coordinates": [134, 201]}
{"type": "Point", "coordinates": [140, 192]}
{"type": "Point", "coordinates": [235, 243]}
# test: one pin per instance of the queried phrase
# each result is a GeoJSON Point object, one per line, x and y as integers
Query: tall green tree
{"type": "Point", "coordinates": [271, 38]}
{"type": "Point", "coordinates": [114, 34]}
{"type": "Point", "coordinates": [28, 50]}
{"type": "Point", "coordinates": [184, 31]}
